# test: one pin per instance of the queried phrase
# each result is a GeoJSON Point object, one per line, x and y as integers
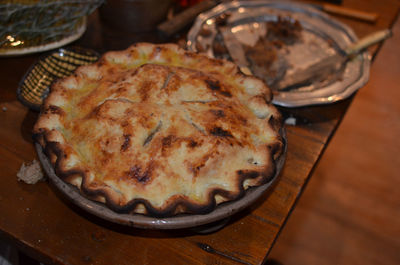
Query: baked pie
{"type": "Point", "coordinates": [157, 130]}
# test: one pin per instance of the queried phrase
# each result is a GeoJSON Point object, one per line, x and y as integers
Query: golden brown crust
{"type": "Point", "coordinates": [155, 129]}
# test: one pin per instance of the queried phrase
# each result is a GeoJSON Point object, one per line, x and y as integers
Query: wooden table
{"type": "Point", "coordinates": [44, 225]}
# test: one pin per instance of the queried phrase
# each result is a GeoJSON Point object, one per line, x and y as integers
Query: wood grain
{"type": "Point", "coordinates": [350, 211]}
{"type": "Point", "coordinates": [42, 223]}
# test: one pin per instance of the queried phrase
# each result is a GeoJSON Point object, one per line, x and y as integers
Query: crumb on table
{"type": "Point", "coordinates": [30, 173]}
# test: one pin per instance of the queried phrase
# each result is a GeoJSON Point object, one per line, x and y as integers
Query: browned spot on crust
{"type": "Point", "coordinates": [167, 141]}
{"type": "Point", "coordinates": [215, 85]}
{"type": "Point", "coordinates": [127, 142]}
{"type": "Point", "coordinates": [125, 123]}
{"type": "Point", "coordinates": [217, 62]}
{"type": "Point", "coordinates": [110, 71]}
{"type": "Point", "coordinates": [138, 174]}
{"type": "Point", "coordinates": [218, 113]}
{"type": "Point", "coordinates": [195, 169]}
{"type": "Point", "coordinates": [121, 89]}
{"type": "Point", "coordinates": [54, 110]}
{"type": "Point", "coordinates": [144, 90]}
{"type": "Point", "coordinates": [135, 72]}
{"type": "Point", "coordinates": [192, 143]}
{"type": "Point", "coordinates": [218, 131]}
{"type": "Point", "coordinates": [247, 174]}
{"type": "Point", "coordinates": [190, 54]}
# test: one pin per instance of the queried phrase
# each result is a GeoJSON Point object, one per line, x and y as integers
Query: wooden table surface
{"type": "Point", "coordinates": [44, 225]}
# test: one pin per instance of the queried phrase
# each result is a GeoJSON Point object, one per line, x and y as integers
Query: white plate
{"type": "Point", "coordinates": [47, 46]}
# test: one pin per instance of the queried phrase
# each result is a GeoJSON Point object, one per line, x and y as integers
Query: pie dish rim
{"type": "Point", "coordinates": [180, 221]}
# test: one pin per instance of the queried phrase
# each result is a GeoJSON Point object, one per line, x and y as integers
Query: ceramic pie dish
{"type": "Point", "coordinates": [159, 137]}
{"type": "Point", "coordinates": [157, 130]}
{"type": "Point", "coordinates": [182, 221]}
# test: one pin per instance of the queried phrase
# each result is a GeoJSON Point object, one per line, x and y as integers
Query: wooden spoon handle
{"type": "Point", "coordinates": [349, 12]}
